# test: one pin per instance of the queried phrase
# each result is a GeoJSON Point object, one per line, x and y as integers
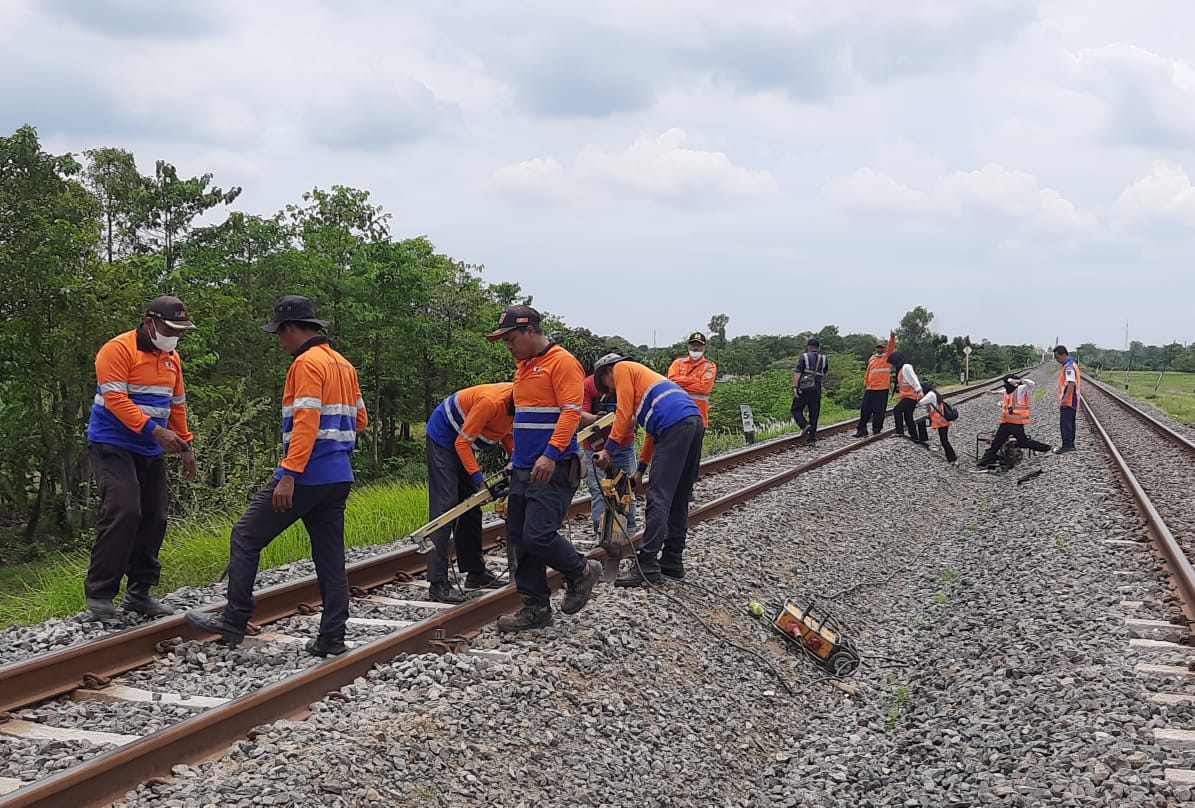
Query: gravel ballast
{"type": "Point", "coordinates": [998, 668]}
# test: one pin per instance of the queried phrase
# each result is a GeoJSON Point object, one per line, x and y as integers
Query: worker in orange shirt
{"type": "Point", "coordinates": [139, 413]}
{"type": "Point", "coordinates": [549, 387]}
{"type": "Point", "coordinates": [322, 413]}
{"type": "Point", "coordinates": [695, 373]}
{"type": "Point", "coordinates": [876, 381]}
{"type": "Point", "coordinates": [672, 447]}
{"type": "Point", "coordinates": [482, 415]}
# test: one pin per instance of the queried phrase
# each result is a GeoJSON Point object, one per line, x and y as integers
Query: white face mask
{"type": "Point", "coordinates": [163, 344]}
{"type": "Point", "coordinates": [695, 355]}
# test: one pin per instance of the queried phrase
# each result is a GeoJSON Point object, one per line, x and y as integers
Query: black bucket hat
{"type": "Point", "coordinates": [293, 309]}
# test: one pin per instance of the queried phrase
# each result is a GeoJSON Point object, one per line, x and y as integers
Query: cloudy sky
{"type": "Point", "coordinates": [1022, 169]}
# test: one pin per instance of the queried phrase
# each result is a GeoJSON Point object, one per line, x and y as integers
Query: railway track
{"type": "Point", "coordinates": [204, 724]}
{"type": "Point", "coordinates": [1153, 462]}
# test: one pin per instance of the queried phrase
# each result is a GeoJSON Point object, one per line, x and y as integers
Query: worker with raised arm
{"type": "Point", "coordinates": [672, 450]}
{"type": "Point", "coordinates": [876, 381]}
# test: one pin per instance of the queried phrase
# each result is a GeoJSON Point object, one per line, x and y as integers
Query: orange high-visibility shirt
{"type": "Point", "coordinates": [879, 371]}
{"type": "Point", "coordinates": [697, 379]}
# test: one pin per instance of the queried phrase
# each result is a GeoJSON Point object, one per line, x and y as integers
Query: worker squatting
{"type": "Point", "coordinates": [139, 414]}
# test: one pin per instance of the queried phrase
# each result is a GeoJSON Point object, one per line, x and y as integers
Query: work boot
{"type": "Point", "coordinates": [101, 608]}
{"type": "Point", "coordinates": [529, 617]}
{"type": "Point", "coordinates": [484, 580]}
{"type": "Point", "coordinates": [137, 599]}
{"type": "Point", "coordinates": [230, 635]}
{"type": "Point", "coordinates": [442, 592]}
{"type": "Point", "coordinates": [326, 645]}
{"type": "Point", "coordinates": [860, 433]}
{"type": "Point", "coordinates": [581, 587]}
{"type": "Point", "coordinates": [646, 569]}
{"type": "Point", "coordinates": [672, 565]}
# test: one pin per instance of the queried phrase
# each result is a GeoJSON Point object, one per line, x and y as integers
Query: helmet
{"type": "Point", "coordinates": [607, 360]}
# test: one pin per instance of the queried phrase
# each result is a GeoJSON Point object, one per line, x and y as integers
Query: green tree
{"type": "Point", "coordinates": [112, 177]}
{"type": "Point", "coordinates": [717, 329]}
{"type": "Point", "coordinates": [167, 206]}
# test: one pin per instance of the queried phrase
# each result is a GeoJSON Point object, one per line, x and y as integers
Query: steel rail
{"type": "Point", "coordinates": [1182, 575]}
{"type": "Point", "coordinates": [58, 672]}
{"type": "Point", "coordinates": [1158, 426]}
{"type": "Point", "coordinates": [107, 777]}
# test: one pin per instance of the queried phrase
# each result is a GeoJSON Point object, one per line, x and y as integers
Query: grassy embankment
{"type": "Point", "coordinates": [196, 551]}
{"type": "Point", "coordinates": [1175, 396]}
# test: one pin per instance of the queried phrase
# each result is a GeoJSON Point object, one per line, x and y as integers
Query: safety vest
{"type": "Point", "coordinates": [879, 373]}
{"type": "Point", "coordinates": [1013, 412]}
{"type": "Point", "coordinates": [907, 390]}
{"type": "Point", "coordinates": [1073, 401]}
{"type": "Point", "coordinates": [936, 419]}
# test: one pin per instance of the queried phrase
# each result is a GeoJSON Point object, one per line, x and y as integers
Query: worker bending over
{"type": "Point", "coordinates": [1014, 417]}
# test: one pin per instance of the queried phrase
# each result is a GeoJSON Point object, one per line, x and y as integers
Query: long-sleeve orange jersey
{"type": "Point", "coordinates": [696, 379]}
{"type": "Point", "coordinates": [549, 389]}
{"type": "Point", "coordinates": [138, 389]}
{"type": "Point", "coordinates": [647, 398]}
{"type": "Point", "coordinates": [479, 414]}
{"type": "Point", "coordinates": [322, 412]}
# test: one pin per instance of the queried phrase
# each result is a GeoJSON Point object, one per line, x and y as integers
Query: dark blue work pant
{"type": "Point", "coordinates": [534, 514]}
{"type": "Point", "coordinates": [132, 521]}
{"type": "Point", "coordinates": [321, 507]}
{"type": "Point", "coordinates": [1066, 425]}
{"type": "Point", "coordinates": [448, 484]}
{"type": "Point", "coordinates": [809, 402]}
{"type": "Point", "coordinates": [669, 484]}
{"type": "Point", "coordinates": [875, 406]}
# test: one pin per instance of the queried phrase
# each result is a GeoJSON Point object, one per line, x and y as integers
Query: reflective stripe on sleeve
{"type": "Point", "coordinates": [151, 389]}
{"type": "Point", "coordinates": [114, 387]}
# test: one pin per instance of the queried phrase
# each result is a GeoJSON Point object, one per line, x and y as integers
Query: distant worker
{"type": "Point", "coordinates": [549, 387]}
{"type": "Point", "coordinates": [481, 416]}
{"type": "Point", "coordinates": [695, 373]}
{"type": "Point", "coordinates": [876, 381]}
{"type": "Point", "coordinates": [322, 413]}
{"type": "Point", "coordinates": [935, 418]}
{"type": "Point", "coordinates": [908, 387]}
{"type": "Point", "coordinates": [672, 448]}
{"type": "Point", "coordinates": [596, 405]}
{"type": "Point", "coordinates": [1014, 417]}
{"type": "Point", "coordinates": [139, 413]}
{"type": "Point", "coordinates": [1070, 380]}
{"type": "Point", "coordinates": [808, 379]}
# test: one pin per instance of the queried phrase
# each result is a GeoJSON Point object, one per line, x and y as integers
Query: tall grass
{"type": "Point", "coordinates": [196, 551]}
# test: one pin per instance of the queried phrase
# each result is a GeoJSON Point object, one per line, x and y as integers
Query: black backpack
{"type": "Point", "coordinates": [949, 411]}
{"type": "Point", "coordinates": [808, 379]}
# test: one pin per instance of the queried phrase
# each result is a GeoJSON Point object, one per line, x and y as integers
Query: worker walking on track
{"type": "Point", "coordinates": [808, 378]}
{"type": "Point", "coordinates": [596, 405]}
{"type": "Point", "coordinates": [876, 381]}
{"type": "Point", "coordinates": [139, 413]}
{"type": "Point", "coordinates": [695, 373]}
{"type": "Point", "coordinates": [480, 415]}
{"type": "Point", "coordinates": [549, 386]}
{"type": "Point", "coordinates": [1014, 417]}
{"type": "Point", "coordinates": [672, 447]}
{"type": "Point", "coordinates": [322, 413]}
{"type": "Point", "coordinates": [908, 387]}
{"type": "Point", "coordinates": [1069, 382]}
{"type": "Point", "coordinates": [935, 418]}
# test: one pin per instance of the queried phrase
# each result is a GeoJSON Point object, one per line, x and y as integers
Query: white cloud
{"type": "Point", "coordinates": [659, 168]}
{"type": "Point", "coordinates": [663, 167]}
{"type": "Point", "coordinates": [536, 179]}
{"type": "Point", "coordinates": [1163, 195]}
{"type": "Point", "coordinates": [1149, 98]}
{"type": "Point", "coordinates": [991, 192]}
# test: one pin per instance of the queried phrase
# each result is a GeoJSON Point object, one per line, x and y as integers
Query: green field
{"type": "Point", "coordinates": [1175, 396]}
